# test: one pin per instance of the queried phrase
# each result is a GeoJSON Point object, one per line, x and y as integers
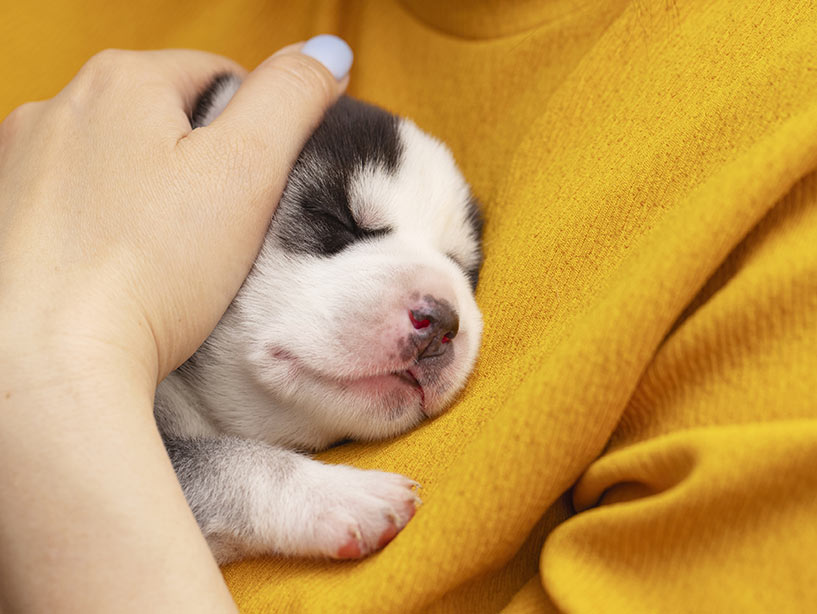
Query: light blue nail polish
{"type": "Point", "coordinates": [332, 52]}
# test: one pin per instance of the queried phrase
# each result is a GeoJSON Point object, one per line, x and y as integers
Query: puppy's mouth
{"type": "Point", "coordinates": [409, 378]}
{"type": "Point", "coordinates": [405, 376]}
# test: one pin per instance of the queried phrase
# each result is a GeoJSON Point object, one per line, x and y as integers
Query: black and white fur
{"type": "Point", "coordinates": [357, 321]}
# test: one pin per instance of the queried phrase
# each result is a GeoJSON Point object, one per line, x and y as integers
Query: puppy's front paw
{"type": "Point", "coordinates": [359, 511]}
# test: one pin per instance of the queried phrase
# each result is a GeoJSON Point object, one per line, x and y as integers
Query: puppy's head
{"type": "Point", "coordinates": [359, 313]}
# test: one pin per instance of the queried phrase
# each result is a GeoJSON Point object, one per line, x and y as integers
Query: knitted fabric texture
{"type": "Point", "coordinates": [640, 433]}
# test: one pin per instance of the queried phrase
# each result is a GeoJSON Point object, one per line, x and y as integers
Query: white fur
{"type": "Point", "coordinates": [306, 355]}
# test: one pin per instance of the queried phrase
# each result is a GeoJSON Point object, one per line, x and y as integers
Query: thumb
{"type": "Point", "coordinates": [278, 106]}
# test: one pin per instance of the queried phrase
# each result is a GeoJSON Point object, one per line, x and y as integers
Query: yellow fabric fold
{"type": "Point", "coordinates": [640, 433]}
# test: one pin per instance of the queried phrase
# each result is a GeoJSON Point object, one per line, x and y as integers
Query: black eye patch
{"type": "Point", "coordinates": [327, 234]}
{"type": "Point", "coordinates": [314, 215]}
{"type": "Point", "coordinates": [316, 219]}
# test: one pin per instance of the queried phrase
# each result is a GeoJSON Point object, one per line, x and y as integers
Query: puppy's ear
{"type": "Point", "coordinates": [214, 98]}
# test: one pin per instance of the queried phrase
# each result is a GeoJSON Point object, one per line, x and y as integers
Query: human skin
{"type": "Point", "coordinates": [123, 238]}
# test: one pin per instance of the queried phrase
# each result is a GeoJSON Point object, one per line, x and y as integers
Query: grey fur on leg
{"type": "Point", "coordinates": [251, 498]}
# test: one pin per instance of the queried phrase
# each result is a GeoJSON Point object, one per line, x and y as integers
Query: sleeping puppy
{"type": "Point", "coordinates": [357, 321]}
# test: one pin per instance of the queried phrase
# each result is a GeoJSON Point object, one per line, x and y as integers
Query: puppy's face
{"type": "Point", "coordinates": [359, 313]}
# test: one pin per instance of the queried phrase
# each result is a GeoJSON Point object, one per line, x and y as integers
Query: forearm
{"type": "Point", "coordinates": [92, 517]}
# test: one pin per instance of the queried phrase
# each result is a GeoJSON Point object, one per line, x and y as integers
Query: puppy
{"type": "Point", "coordinates": [357, 321]}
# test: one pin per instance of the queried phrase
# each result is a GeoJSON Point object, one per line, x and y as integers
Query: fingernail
{"type": "Point", "coordinates": [332, 52]}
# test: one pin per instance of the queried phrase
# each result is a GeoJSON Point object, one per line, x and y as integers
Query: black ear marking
{"type": "Point", "coordinates": [205, 100]}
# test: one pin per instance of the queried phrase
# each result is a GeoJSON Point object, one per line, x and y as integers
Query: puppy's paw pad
{"type": "Point", "coordinates": [389, 534]}
{"type": "Point", "coordinates": [350, 550]}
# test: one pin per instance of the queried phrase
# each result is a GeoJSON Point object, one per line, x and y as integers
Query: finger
{"type": "Point", "coordinates": [281, 102]}
{"type": "Point", "coordinates": [164, 83]}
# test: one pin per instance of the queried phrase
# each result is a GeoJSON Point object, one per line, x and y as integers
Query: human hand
{"type": "Point", "coordinates": [122, 228]}
{"type": "Point", "coordinates": [124, 236]}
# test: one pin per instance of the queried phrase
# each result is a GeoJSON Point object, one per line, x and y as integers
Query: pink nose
{"type": "Point", "coordinates": [435, 324]}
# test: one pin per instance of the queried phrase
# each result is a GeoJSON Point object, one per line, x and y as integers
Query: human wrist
{"type": "Point", "coordinates": [44, 353]}
{"type": "Point", "coordinates": [87, 480]}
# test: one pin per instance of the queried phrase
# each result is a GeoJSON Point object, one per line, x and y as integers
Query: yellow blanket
{"type": "Point", "coordinates": [640, 433]}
